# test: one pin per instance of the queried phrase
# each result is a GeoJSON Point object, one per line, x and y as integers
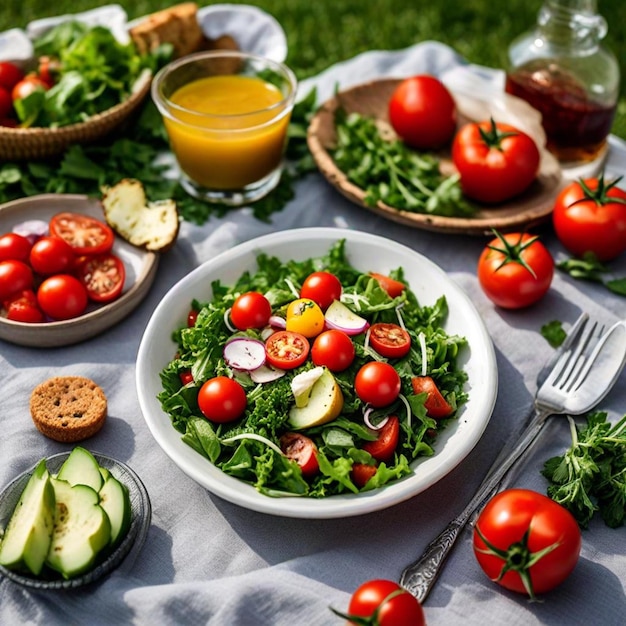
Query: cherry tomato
{"type": "Point", "coordinates": [436, 405]}
{"type": "Point", "coordinates": [361, 473]}
{"type": "Point", "coordinates": [22, 307]}
{"type": "Point", "coordinates": [14, 246]}
{"type": "Point", "coordinates": [51, 255]}
{"type": "Point", "coordinates": [334, 349]}
{"type": "Point", "coordinates": [517, 524]}
{"type": "Point", "coordinates": [186, 377]}
{"type": "Point", "coordinates": [302, 450]}
{"type": "Point", "coordinates": [495, 161]}
{"type": "Point", "coordinates": [103, 276]}
{"type": "Point", "coordinates": [391, 604]}
{"type": "Point", "coordinates": [250, 310]}
{"type": "Point", "coordinates": [515, 270]}
{"type": "Point", "coordinates": [28, 85]}
{"type": "Point", "coordinates": [85, 234]}
{"type": "Point", "coordinates": [377, 383]}
{"type": "Point", "coordinates": [6, 103]}
{"type": "Point", "coordinates": [14, 276]}
{"type": "Point", "coordinates": [590, 216]}
{"type": "Point", "coordinates": [393, 287]}
{"type": "Point", "coordinates": [305, 317]}
{"type": "Point", "coordinates": [390, 340]}
{"type": "Point", "coordinates": [383, 448]}
{"type": "Point", "coordinates": [192, 317]}
{"type": "Point", "coordinates": [62, 297]}
{"type": "Point", "coordinates": [10, 74]}
{"type": "Point", "coordinates": [423, 112]}
{"type": "Point", "coordinates": [286, 350]}
{"type": "Point", "coordinates": [48, 70]}
{"type": "Point", "coordinates": [321, 287]}
{"type": "Point", "coordinates": [222, 399]}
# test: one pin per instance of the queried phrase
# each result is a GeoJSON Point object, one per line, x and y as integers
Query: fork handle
{"type": "Point", "coordinates": [419, 577]}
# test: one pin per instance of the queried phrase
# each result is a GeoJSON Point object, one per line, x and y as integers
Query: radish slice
{"type": "Point", "coordinates": [340, 317]}
{"type": "Point", "coordinates": [276, 321]}
{"type": "Point", "coordinates": [31, 229]}
{"type": "Point", "coordinates": [244, 353]}
{"type": "Point", "coordinates": [266, 374]}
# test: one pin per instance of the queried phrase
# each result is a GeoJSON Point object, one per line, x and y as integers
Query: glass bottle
{"type": "Point", "coordinates": [562, 69]}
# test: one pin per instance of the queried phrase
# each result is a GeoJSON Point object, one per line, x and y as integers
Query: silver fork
{"type": "Point", "coordinates": [562, 392]}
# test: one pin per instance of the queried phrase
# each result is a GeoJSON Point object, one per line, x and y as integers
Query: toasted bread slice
{"type": "Point", "coordinates": [150, 225]}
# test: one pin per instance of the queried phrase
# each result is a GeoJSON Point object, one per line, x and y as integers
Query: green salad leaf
{"type": "Point", "coordinates": [339, 442]}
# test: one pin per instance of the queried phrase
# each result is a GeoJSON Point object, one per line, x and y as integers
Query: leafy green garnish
{"type": "Point", "coordinates": [553, 333]}
{"type": "Point", "coordinates": [339, 443]}
{"type": "Point", "coordinates": [590, 476]}
{"type": "Point", "coordinates": [391, 172]}
{"type": "Point", "coordinates": [589, 268]}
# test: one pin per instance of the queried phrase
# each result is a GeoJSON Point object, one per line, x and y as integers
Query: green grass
{"type": "Point", "coordinates": [323, 32]}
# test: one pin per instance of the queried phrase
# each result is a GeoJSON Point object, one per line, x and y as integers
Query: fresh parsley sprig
{"type": "Point", "coordinates": [590, 476]}
{"type": "Point", "coordinates": [589, 268]}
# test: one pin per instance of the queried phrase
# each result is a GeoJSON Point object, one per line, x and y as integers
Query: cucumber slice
{"type": "Point", "coordinates": [81, 529]}
{"type": "Point", "coordinates": [115, 501]}
{"type": "Point", "coordinates": [81, 468]}
{"type": "Point", "coordinates": [28, 534]}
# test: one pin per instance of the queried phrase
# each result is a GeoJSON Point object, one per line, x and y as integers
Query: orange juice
{"type": "Point", "coordinates": [229, 131]}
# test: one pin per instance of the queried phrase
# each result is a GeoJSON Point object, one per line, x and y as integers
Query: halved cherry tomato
{"type": "Point", "coordinates": [250, 310]}
{"type": "Point", "coordinates": [436, 405]}
{"type": "Point", "coordinates": [361, 473]}
{"type": "Point", "coordinates": [390, 340]}
{"type": "Point", "coordinates": [62, 297]}
{"type": "Point", "coordinates": [286, 350]}
{"type": "Point", "coordinates": [334, 349]}
{"type": "Point", "coordinates": [222, 399]}
{"type": "Point", "coordinates": [52, 255]}
{"type": "Point", "coordinates": [23, 307]}
{"type": "Point", "coordinates": [302, 450]}
{"type": "Point", "coordinates": [305, 317]}
{"type": "Point", "coordinates": [103, 276]}
{"type": "Point", "coordinates": [15, 276]}
{"type": "Point", "coordinates": [383, 448]}
{"type": "Point", "coordinates": [321, 287]}
{"type": "Point", "coordinates": [85, 234]}
{"type": "Point", "coordinates": [14, 246]}
{"type": "Point", "coordinates": [377, 383]}
{"type": "Point", "coordinates": [392, 286]}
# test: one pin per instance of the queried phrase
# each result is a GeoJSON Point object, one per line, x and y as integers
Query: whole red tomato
{"type": "Point", "coordinates": [423, 112]}
{"type": "Point", "coordinates": [10, 75]}
{"type": "Point", "coordinates": [511, 533]}
{"type": "Point", "coordinates": [6, 103]}
{"type": "Point", "coordinates": [386, 604]}
{"type": "Point", "coordinates": [590, 216]}
{"type": "Point", "coordinates": [495, 161]}
{"type": "Point", "coordinates": [515, 270]}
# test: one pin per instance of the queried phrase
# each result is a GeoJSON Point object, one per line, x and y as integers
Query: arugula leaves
{"type": "Point", "coordinates": [589, 268]}
{"type": "Point", "coordinates": [393, 173]}
{"type": "Point", "coordinates": [590, 476]}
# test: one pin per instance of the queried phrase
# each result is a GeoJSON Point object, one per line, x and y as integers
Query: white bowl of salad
{"type": "Point", "coordinates": [316, 373]}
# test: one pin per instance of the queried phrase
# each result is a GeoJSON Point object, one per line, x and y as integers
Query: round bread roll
{"type": "Point", "coordinates": [68, 408]}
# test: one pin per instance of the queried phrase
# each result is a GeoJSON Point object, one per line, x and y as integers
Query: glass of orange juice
{"type": "Point", "coordinates": [226, 114]}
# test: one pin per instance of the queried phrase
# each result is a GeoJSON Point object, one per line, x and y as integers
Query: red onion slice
{"type": "Point", "coordinates": [244, 353]}
{"type": "Point", "coordinates": [339, 317]}
{"type": "Point", "coordinates": [276, 321]}
{"type": "Point", "coordinates": [31, 229]}
{"type": "Point", "coordinates": [366, 418]}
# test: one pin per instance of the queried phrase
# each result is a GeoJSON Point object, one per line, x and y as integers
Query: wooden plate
{"type": "Point", "coordinates": [140, 265]}
{"type": "Point", "coordinates": [370, 99]}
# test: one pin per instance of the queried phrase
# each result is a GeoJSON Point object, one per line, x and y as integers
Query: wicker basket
{"type": "Point", "coordinates": [19, 144]}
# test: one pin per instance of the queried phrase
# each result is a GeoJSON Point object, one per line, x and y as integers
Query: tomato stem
{"type": "Point", "coordinates": [373, 619]}
{"type": "Point", "coordinates": [493, 137]}
{"type": "Point", "coordinates": [517, 558]}
{"type": "Point", "coordinates": [600, 194]}
{"type": "Point", "coordinates": [512, 252]}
